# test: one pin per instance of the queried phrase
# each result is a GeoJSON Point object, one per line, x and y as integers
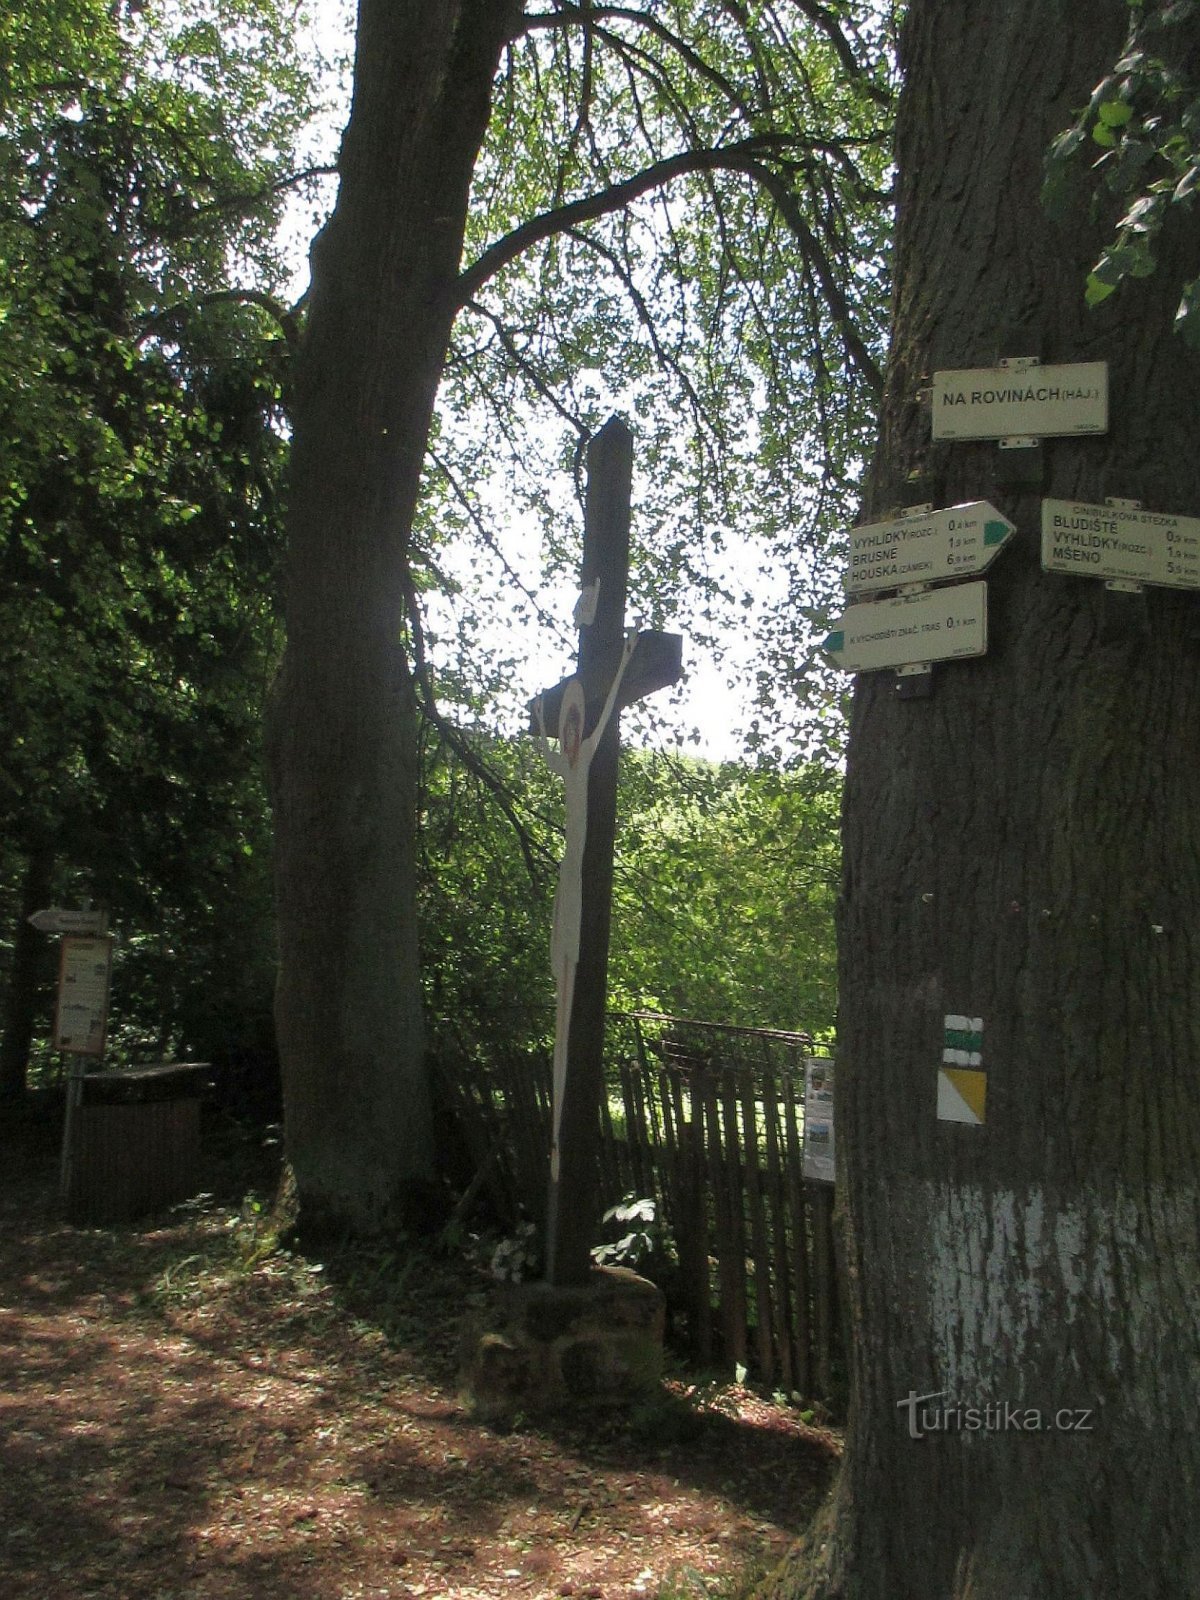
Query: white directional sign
{"type": "Point", "coordinates": [926, 547]}
{"type": "Point", "coordinates": [1121, 542]}
{"type": "Point", "coordinates": [1021, 400]}
{"type": "Point", "coordinates": [56, 919]}
{"type": "Point", "coordinates": [939, 625]}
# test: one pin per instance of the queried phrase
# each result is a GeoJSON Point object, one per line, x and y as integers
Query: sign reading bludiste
{"type": "Point", "coordinates": [1121, 541]}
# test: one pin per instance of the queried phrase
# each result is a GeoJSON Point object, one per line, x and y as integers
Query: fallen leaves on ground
{"type": "Point", "coordinates": [189, 1411]}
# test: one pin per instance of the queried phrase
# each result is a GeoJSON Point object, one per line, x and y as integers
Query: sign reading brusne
{"type": "Point", "coordinates": [926, 547]}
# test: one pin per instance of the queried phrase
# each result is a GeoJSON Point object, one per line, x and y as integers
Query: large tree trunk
{"type": "Point", "coordinates": [30, 967]}
{"type": "Point", "coordinates": [342, 723]}
{"type": "Point", "coordinates": [1024, 847]}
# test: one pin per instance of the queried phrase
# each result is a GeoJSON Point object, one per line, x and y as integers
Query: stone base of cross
{"type": "Point", "coordinates": [615, 669]}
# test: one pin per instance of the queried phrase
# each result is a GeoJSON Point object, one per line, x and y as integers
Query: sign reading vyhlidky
{"type": "Point", "coordinates": [926, 547]}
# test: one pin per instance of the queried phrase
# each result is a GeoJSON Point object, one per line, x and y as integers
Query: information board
{"type": "Point", "coordinates": [1021, 400]}
{"type": "Point", "coordinates": [818, 1119]}
{"type": "Point", "coordinates": [81, 1016]}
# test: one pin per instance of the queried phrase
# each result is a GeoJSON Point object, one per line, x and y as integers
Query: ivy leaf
{"type": "Point", "coordinates": [1115, 113]}
{"type": "Point", "coordinates": [1097, 291]}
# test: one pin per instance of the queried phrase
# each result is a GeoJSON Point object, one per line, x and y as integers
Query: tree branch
{"type": "Point", "coordinates": [288, 317]}
{"type": "Point", "coordinates": [735, 158]}
{"type": "Point", "coordinates": [836, 300]}
{"type": "Point", "coordinates": [455, 738]}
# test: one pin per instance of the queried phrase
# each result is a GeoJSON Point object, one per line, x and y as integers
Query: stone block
{"type": "Point", "coordinates": [553, 1347]}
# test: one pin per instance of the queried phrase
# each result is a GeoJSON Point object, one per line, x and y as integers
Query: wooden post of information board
{"type": "Point", "coordinates": [80, 1025]}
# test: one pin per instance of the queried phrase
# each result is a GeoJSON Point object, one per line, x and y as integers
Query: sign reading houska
{"type": "Point", "coordinates": [926, 547]}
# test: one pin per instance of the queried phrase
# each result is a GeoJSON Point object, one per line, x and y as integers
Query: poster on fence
{"type": "Point", "coordinates": [818, 1119]}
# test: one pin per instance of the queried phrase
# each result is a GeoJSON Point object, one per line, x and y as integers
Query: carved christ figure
{"type": "Point", "coordinates": [572, 762]}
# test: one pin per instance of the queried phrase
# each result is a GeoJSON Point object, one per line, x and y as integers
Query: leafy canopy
{"type": "Point", "coordinates": [673, 208]}
{"type": "Point", "coordinates": [144, 155]}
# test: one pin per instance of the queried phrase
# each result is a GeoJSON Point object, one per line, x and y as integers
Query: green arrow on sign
{"type": "Point", "coordinates": [929, 546]}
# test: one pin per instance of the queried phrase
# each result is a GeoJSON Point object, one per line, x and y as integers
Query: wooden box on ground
{"type": "Point", "coordinates": [136, 1142]}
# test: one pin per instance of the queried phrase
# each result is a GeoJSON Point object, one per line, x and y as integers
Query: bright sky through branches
{"type": "Point", "coordinates": [471, 600]}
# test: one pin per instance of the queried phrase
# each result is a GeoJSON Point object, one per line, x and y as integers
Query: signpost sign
{"type": "Point", "coordinates": [58, 919]}
{"type": "Point", "coordinates": [1022, 399]}
{"type": "Point", "coordinates": [1121, 541]}
{"type": "Point", "coordinates": [926, 546]}
{"type": "Point", "coordinates": [937, 625]}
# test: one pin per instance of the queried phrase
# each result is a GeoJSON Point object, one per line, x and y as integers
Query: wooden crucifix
{"type": "Point", "coordinates": [615, 668]}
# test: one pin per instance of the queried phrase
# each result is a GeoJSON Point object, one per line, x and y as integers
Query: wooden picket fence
{"type": "Point", "coordinates": [707, 1120]}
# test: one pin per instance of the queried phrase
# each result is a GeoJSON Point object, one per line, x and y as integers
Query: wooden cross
{"type": "Point", "coordinates": [614, 670]}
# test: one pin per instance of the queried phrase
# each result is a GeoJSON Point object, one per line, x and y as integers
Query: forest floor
{"type": "Point", "coordinates": [189, 1410]}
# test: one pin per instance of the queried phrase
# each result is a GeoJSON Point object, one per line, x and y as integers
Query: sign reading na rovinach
{"type": "Point", "coordinates": [1021, 399]}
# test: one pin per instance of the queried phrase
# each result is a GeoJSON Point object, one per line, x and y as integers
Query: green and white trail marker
{"type": "Point", "coordinates": [936, 625]}
{"type": "Point", "coordinates": [926, 547]}
{"type": "Point", "coordinates": [962, 1082]}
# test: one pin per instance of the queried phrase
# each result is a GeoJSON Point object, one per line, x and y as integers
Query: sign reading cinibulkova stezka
{"type": "Point", "coordinates": [818, 1119]}
{"type": "Point", "coordinates": [938, 625]}
{"type": "Point", "coordinates": [1114, 541]}
{"type": "Point", "coordinates": [926, 547]}
{"type": "Point", "coordinates": [81, 1016]}
{"type": "Point", "coordinates": [1021, 400]}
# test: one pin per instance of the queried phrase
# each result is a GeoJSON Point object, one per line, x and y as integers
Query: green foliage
{"type": "Point", "coordinates": [726, 885]}
{"type": "Point", "coordinates": [1145, 118]}
{"type": "Point", "coordinates": [725, 882]}
{"type": "Point", "coordinates": [143, 377]}
{"type": "Point", "coordinates": [668, 210]}
{"type": "Point", "coordinates": [641, 1234]}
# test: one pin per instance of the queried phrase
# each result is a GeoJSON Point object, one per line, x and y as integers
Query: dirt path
{"type": "Point", "coordinates": [187, 1411]}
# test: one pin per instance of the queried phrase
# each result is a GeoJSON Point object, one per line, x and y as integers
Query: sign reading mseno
{"type": "Point", "coordinates": [1023, 399]}
{"type": "Point", "coordinates": [938, 625]}
{"type": "Point", "coordinates": [926, 547]}
{"type": "Point", "coordinates": [1121, 541]}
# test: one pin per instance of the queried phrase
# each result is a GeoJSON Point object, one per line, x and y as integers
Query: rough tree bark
{"type": "Point", "coordinates": [341, 727]}
{"type": "Point", "coordinates": [31, 958]}
{"type": "Point", "coordinates": [1024, 847]}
